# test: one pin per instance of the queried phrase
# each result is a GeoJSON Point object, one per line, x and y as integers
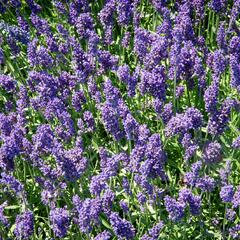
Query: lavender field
{"type": "Point", "coordinates": [119, 119]}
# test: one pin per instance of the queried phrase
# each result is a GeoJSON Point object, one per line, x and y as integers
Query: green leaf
{"type": "Point", "coordinates": [152, 211]}
{"type": "Point", "coordinates": [105, 223]}
{"type": "Point", "coordinates": [12, 228]}
{"type": "Point", "coordinates": [12, 207]}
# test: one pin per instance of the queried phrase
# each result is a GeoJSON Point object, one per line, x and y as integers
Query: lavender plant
{"type": "Point", "coordinates": [119, 119]}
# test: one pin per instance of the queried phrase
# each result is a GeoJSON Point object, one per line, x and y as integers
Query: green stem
{"type": "Point", "coordinates": [224, 222]}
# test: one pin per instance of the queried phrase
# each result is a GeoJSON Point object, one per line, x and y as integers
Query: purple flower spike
{"type": "Point", "coordinates": [24, 225]}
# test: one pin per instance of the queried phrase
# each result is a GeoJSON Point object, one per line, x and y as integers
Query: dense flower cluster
{"type": "Point", "coordinates": [24, 225]}
{"type": "Point", "coordinates": [119, 119]}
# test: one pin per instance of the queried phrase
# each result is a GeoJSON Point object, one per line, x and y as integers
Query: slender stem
{"type": "Point", "coordinates": [189, 98]}
{"type": "Point", "coordinates": [224, 222]}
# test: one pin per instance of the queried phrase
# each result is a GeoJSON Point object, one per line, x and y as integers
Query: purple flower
{"type": "Point", "coordinates": [123, 73]}
{"type": "Point", "coordinates": [234, 45]}
{"type": "Point", "coordinates": [52, 45]}
{"type": "Point", "coordinates": [199, 8]}
{"type": "Point", "coordinates": [183, 122]}
{"type": "Point", "coordinates": [227, 193]}
{"type": "Point", "coordinates": [107, 200]}
{"type": "Point", "coordinates": [126, 39]}
{"type": "Point", "coordinates": [185, 64]}
{"type": "Point", "coordinates": [143, 134]}
{"type": "Point", "coordinates": [155, 230]}
{"type": "Point", "coordinates": [174, 208]}
{"type": "Point", "coordinates": [12, 183]}
{"type": "Point", "coordinates": [141, 198]}
{"type": "Point", "coordinates": [89, 120]}
{"type": "Point", "coordinates": [167, 112]}
{"type": "Point", "coordinates": [10, 148]}
{"type": "Point", "coordinates": [137, 156]}
{"type": "Point", "coordinates": [136, 16]}
{"type": "Point", "coordinates": [217, 123]}
{"type": "Point", "coordinates": [43, 139]}
{"type": "Point", "coordinates": [88, 214]}
{"type": "Point", "coordinates": [98, 184]}
{"type": "Point", "coordinates": [236, 143]}
{"type": "Point", "coordinates": [40, 24]}
{"type": "Point", "coordinates": [83, 62]}
{"type": "Point", "coordinates": [84, 25]}
{"type": "Point", "coordinates": [166, 25]}
{"type": "Point", "coordinates": [200, 72]}
{"type": "Point", "coordinates": [174, 54]}
{"type": "Point", "coordinates": [221, 37]}
{"type": "Point", "coordinates": [121, 227]}
{"type": "Point", "coordinates": [39, 55]}
{"type": "Point", "coordinates": [235, 231]}
{"type": "Point", "coordinates": [186, 196]}
{"type": "Point", "coordinates": [107, 61]}
{"type": "Point", "coordinates": [105, 235]}
{"type": "Point", "coordinates": [6, 125]}
{"type": "Point", "coordinates": [94, 91]}
{"type": "Point", "coordinates": [183, 29]}
{"type": "Point", "coordinates": [111, 166]}
{"type": "Point", "coordinates": [236, 198]}
{"type": "Point", "coordinates": [106, 14]}
{"type": "Point", "coordinates": [44, 85]}
{"type": "Point", "coordinates": [81, 127]}
{"type": "Point", "coordinates": [142, 40]}
{"type": "Point", "coordinates": [60, 7]}
{"type": "Point", "coordinates": [218, 5]}
{"type": "Point", "coordinates": [130, 127]}
{"type": "Point", "coordinates": [157, 105]}
{"type": "Point", "coordinates": [24, 225]}
{"type": "Point", "coordinates": [93, 41]}
{"type": "Point", "coordinates": [122, 108]}
{"type": "Point", "coordinates": [49, 193]}
{"type": "Point", "coordinates": [235, 71]}
{"type": "Point", "coordinates": [59, 218]}
{"type": "Point", "coordinates": [154, 82]}
{"type": "Point", "coordinates": [217, 62]}
{"type": "Point", "coordinates": [191, 178]}
{"type": "Point", "coordinates": [63, 31]}
{"type": "Point", "coordinates": [124, 11]}
{"type": "Point", "coordinates": [225, 172]}
{"type": "Point", "coordinates": [71, 162]}
{"type": "Point", "coordinates": [157, 53]}
{"type": "Point", "coordinates": [212, 152]}
{"type": "Point", "coordinates": [2, 58]}
{"type": "Point", "coordinates": [112, 93]}
{"type": "Point", "coordinates": [3, 219]}
{"type": "Point", "coordinates": [126, 185]}
{"type": "Point", "coordinates": [111, 121]}
{"type": "Point", "coordinates": [124, 206]}
{"type": "Point", "coordinates": [144, 183]}
{"type": "Point", "coordinates": [155, 158]}
{"type": "Point", "coordinates": [189, 145]}
{"type": "Point", "coordinates": [206, 184]}
{"type": "Point", "coordinates": [194, 117]}
{"type": "Point", "coordinates": [180, 91]}
{"type": "Point", "coordinates": [78, 100]}
{"type": "Point", "coordinates": [35, 8]}
{"type": "Point", "coordinates": [210, 98]}
{"type": "Point", "coordinates": [230, 215]}
{"type": "Point", "coordinates": [7, 83]}
{"type": "Point", "coordinates": [15, 3]}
